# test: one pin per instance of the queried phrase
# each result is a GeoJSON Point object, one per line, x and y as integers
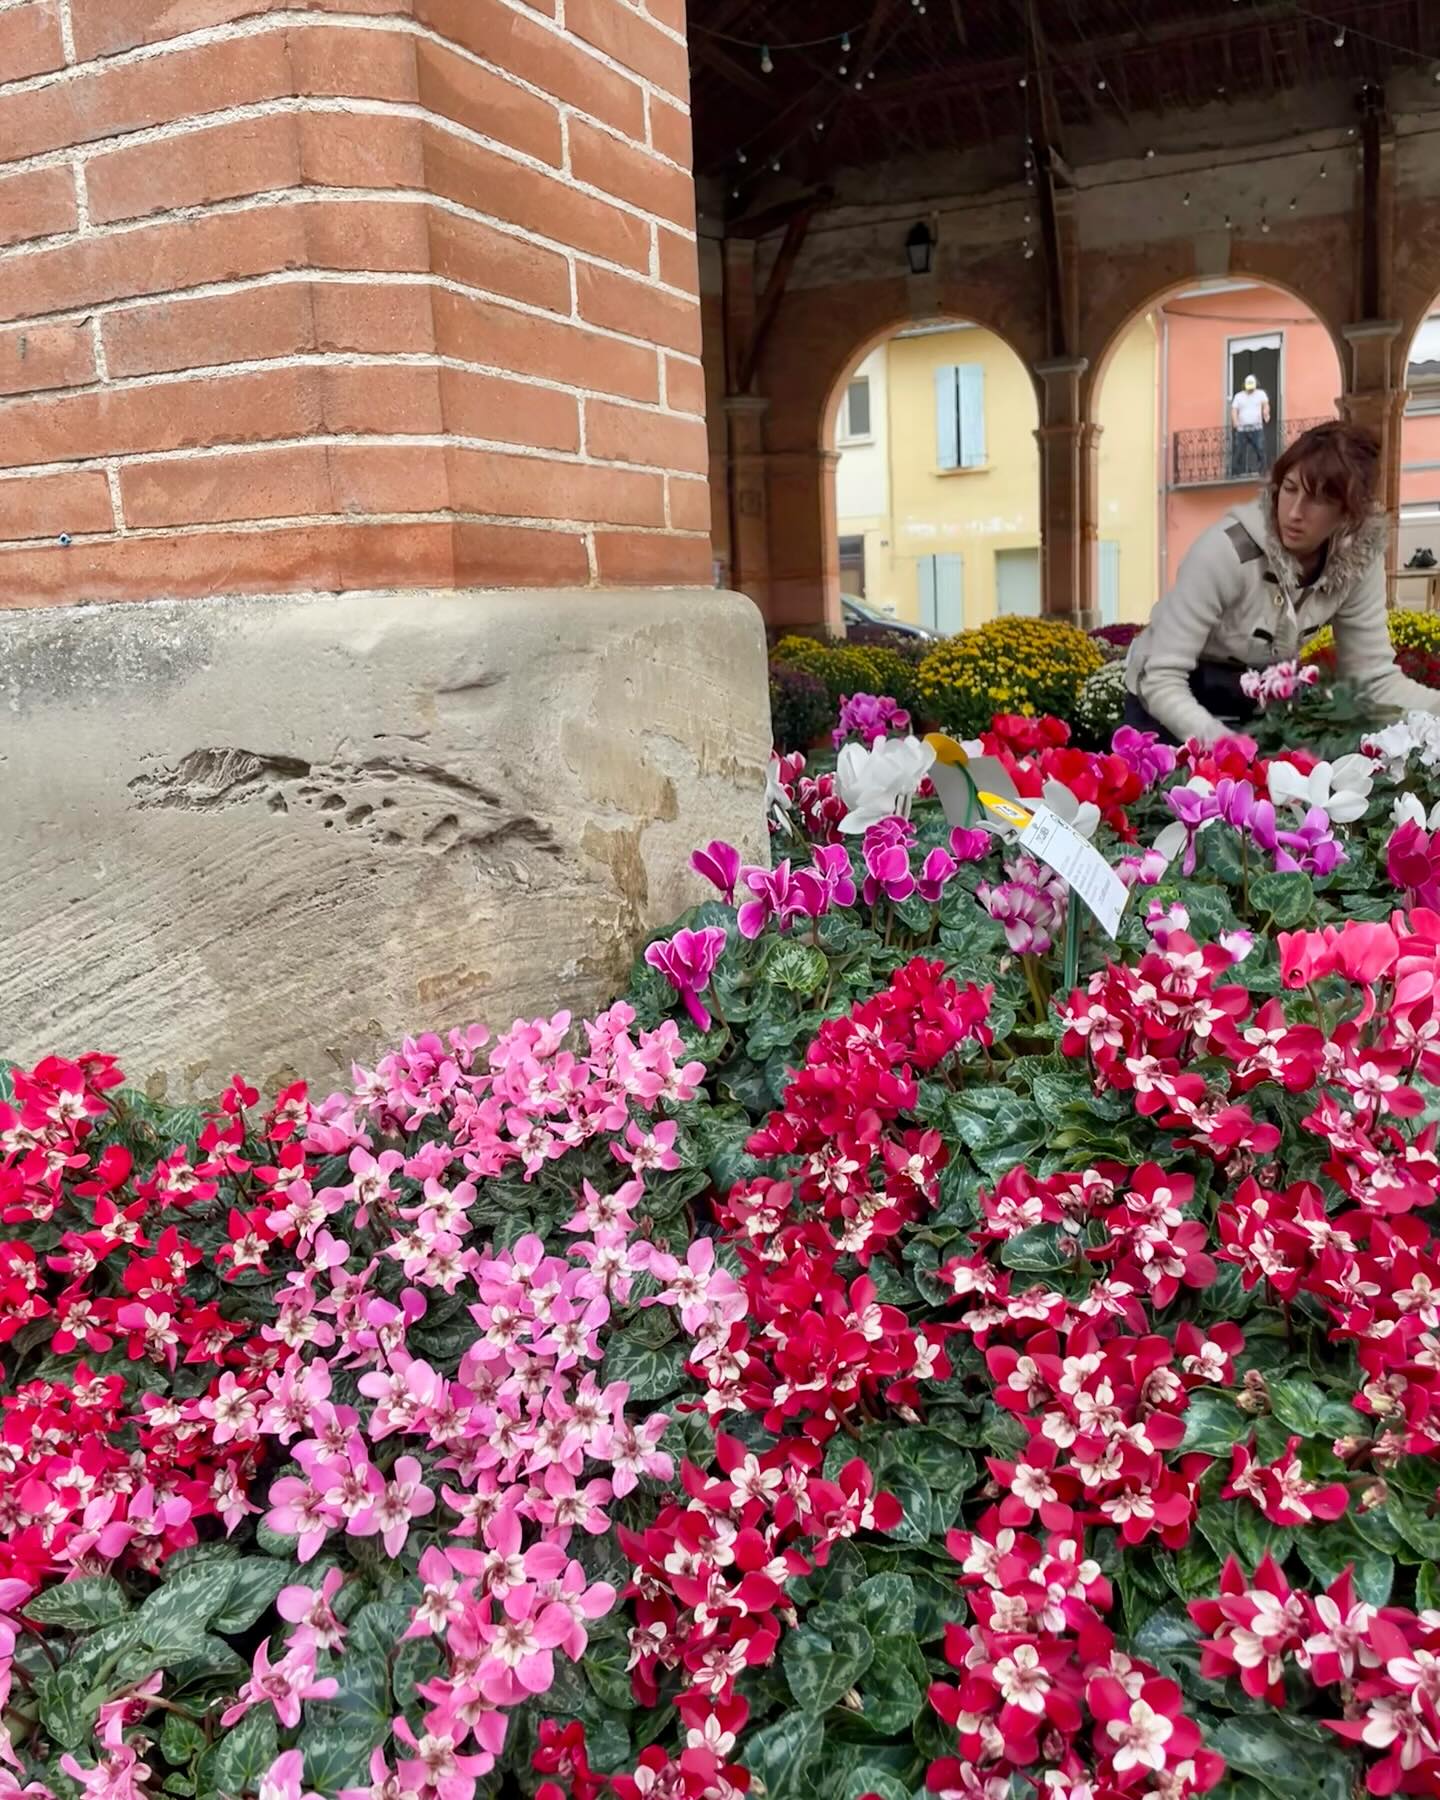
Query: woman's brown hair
{"type": "Point", "coordinates": [1336, 462]}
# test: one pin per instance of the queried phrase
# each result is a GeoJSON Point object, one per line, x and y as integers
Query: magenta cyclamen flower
{"type": "Point", "coordinates": [719, 863]}
{"type": "Point", "coordinates": [887, 869]}
{"type": "Point", "coordinates": [827, 882]}
{"type": "Point", "coordinates": [969, 845]}
{"type": "Point", "coordinates": [1143, 753]}
{"type": "Point", "coordinates": [938, 868]}
{"type": "Point", "coordinates": [775, 898]}
{"type": "Point", "coordinates": [868, 717]}
{"type": "Point", "coordinates": [687, 961]}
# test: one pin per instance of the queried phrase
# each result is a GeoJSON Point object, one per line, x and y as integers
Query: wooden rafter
{"type": "Point", "coordinates": [775, 286]}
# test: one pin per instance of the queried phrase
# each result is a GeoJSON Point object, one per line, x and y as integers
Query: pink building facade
{"type": "Point", "coordinates": [1209, 339]}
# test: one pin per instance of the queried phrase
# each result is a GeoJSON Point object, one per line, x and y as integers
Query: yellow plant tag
{"type": "Point", "coordinates": [946, 749]}
{"type": "Point", "coordinates": [1006, 810]}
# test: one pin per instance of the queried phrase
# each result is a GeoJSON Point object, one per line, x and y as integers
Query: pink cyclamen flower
{"type": "Point", "coordinates": [438, 1770]}
{"type": "Point", "coordinates": [118, 1776]}
{"type": "Point", "coordinates": [775, 898]}
{"type": "Point", "coordinates": [1146, 870]}
{"type": "Point", "coordinates": [311, 1611]}
{"type": "Point", "coordinates": [652, 1149]}
{"type": "Point", "coordinates": [285, 1778]}
{"type": "Point", "coordinates": [887, 869]}
{"type": "Point", "coordinates": [868, 717]}
{"type": "Point", "coordinates": [970, 844]}
{"type": "Point", "coordinates": [1412, 860]}
{"type": "Point", "coordinates": [688, 961]}
{"type": "Point", "coordinates": [1143, 754]}
{"type": "Point", "coordinates": [719, 863]}
{"type": "Point", "coordinates": [283, 1685]}
{"type": "Point", "coordinates": [391, 1510]}
{"type": "Point", "coordinates": [299, 1509]}
{"type": "Point", "coordinates": [384, 1784]}
{"type": "Point", "coordinates": [938, 867]}
{"type": "Point", "coordinates": [827, 882]}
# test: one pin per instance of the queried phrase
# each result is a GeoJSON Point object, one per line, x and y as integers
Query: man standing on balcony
{"type": "Point", "coordinates": [1249, 415]}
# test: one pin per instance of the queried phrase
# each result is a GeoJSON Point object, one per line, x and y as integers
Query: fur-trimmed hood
{"type": "Point", "coordinates": [1351, 552]}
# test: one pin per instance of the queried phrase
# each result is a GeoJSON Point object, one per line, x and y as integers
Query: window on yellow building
{"type": "Point", "coordinates": [960, 416]}
{"type": "Point", "coordinates": [942, 593]}
{"type": "Point", "coordinates": [855, 419]}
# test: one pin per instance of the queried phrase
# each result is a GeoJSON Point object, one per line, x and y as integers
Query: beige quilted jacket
{"type": "Point", "coordinates": [1239, 599]}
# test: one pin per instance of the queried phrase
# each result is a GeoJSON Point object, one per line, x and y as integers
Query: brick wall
{"type": "Point", "coordinates": [387, 292]}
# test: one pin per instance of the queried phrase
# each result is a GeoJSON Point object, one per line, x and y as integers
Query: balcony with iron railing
{"type": "Point", "coordinates": [1210, 455]}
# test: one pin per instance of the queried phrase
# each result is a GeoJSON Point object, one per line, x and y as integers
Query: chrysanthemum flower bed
{"type": "Point", "coordinates": [855, 1363]}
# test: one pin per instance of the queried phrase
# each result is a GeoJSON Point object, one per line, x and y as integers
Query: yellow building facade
{"type": "Point", "coordinates": [938, 480]}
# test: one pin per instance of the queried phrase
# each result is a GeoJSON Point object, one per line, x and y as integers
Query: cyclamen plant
{"type": "Point", "coordinates": [896, 1374]}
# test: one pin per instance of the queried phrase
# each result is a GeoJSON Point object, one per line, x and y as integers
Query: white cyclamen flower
{"type": "Point", "coordinates": [880, 782]}
{"type": "Point", "coordinates": [1409, 809]}
{"type": "Point", "coordinates": [1340, 789]}
{"type": "Point", "coordinates": [777, 801]}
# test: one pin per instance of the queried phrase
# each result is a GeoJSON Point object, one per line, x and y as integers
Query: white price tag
{"type": "Point", "coordinates": [1078, 864]}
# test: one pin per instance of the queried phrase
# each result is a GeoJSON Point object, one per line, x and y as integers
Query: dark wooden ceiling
{"type": "Point", "coordinates": [958, 74]}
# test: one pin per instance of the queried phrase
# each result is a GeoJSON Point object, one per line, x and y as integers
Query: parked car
{"type": "Point", "coordinates": [856, 612]}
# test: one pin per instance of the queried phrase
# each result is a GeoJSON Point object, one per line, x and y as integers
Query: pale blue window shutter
{"type": "Point", "coordinates": [949, 594]}
{"type": "Point", "coordinates": [1109, 581]}
{"type": "Point", "coordinates": [926, 567]}
{"type": "Point", "coordinates": [947, 418]}
{"type": "Point", "coordinates": [971, 381]}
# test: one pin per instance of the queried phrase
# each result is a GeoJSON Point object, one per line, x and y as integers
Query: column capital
{"type": "Point", "coordinates": [1050, 366]}
{"type": "Point", "coordinates": [1365, 329]}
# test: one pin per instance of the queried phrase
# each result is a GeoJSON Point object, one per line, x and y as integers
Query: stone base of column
{"type": "Point", "coordinates": [272, 835]}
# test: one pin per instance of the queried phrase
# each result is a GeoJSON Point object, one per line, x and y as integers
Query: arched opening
{"type": "Point", "coordinates": [936, 520]}
{"type": "Point", "coordinates": [1417, 550]}
{"type": "Point", "coordinates": [1196, 396]}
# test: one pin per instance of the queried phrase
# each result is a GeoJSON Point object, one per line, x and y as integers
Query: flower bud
{"type": "Point", "coordinates": [1254, 1396]}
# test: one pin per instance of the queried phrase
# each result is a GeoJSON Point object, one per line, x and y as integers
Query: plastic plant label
{"type": "Point", "coordinates": [1009, 810]}
{"type": "Point", "coordinates": [1079, 865]}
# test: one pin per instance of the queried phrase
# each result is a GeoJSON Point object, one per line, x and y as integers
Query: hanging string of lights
{"type": "Point", "coordinates": [1341, 33]}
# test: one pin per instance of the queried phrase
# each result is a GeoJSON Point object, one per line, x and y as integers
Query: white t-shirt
{"type": "Point", "coordinates": [1249, 405]}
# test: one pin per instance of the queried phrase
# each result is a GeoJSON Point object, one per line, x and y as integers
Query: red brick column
{"type": "Point", "coordinates": [407, 297]}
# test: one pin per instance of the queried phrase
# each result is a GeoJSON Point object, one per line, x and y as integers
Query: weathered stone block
{"type": "Point", "coordinates": [273, 835]}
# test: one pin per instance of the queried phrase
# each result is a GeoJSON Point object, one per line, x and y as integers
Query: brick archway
{"type": "Point", "coordinates": [837, 326]}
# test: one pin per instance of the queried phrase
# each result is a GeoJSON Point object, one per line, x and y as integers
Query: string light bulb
{"type": "Point", "coordinates": [845, 44]}
{"type": "Point", "coordinates": [767, 61]}
{"type": "Point", "coordinates": [1324, 173]}
{"type": "Point", "coordinates": [1185, 201]}
{"type": "Point", "coordinates": [1265, 226]}
{"type": "Point", "coordinates": [1025, 80]}
{"type": "Point", "coordinates": [1340, 38]}
{"type": "Point", "coordinates": [1228, 225]}
{"type": "Point", "coordinates": [1101, 84]}
{"type": "Point", "coordinates": [740, 156]}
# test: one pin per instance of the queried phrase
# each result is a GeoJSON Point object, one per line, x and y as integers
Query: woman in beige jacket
{"type": "Point", "coordinates": [1258, 585]}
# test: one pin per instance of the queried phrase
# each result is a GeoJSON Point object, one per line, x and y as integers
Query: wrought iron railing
{"type": "Point", "coordinates": [1217, 453]}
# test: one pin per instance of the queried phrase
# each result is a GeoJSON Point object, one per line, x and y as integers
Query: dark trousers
{"type": "Point", "coordinates": [1215, 685]}
{"type": "Point", "coordinates": [1248, 453]}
